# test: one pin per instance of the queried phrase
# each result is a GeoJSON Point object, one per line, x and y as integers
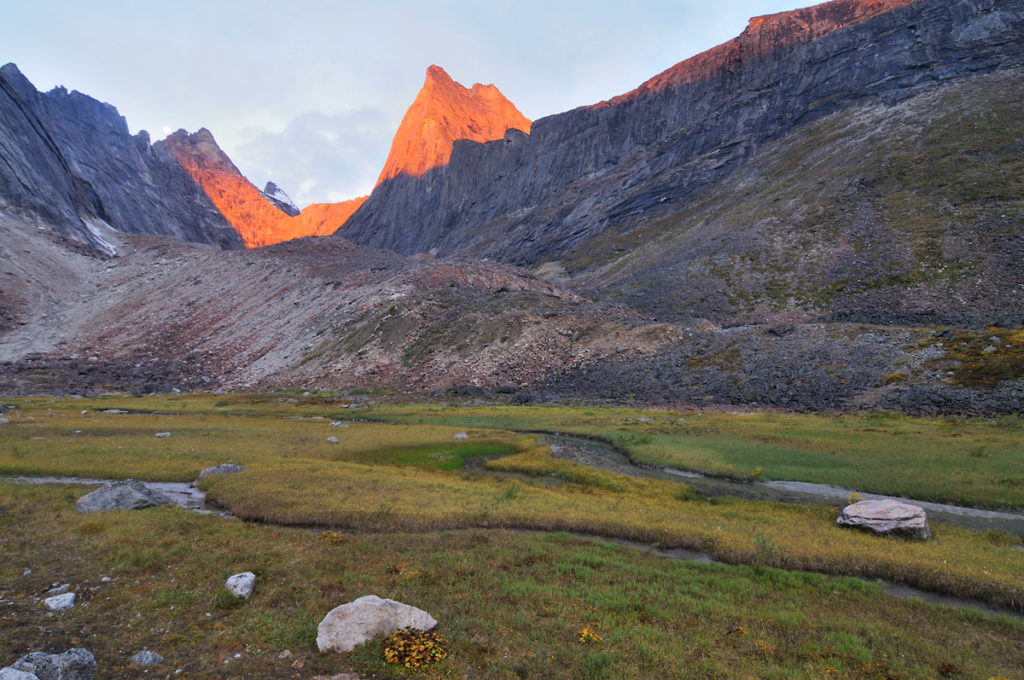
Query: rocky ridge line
{"type": "Point", "coordinates": [70, 163]}
{"type": "Point", "coordinates": [259, 220]}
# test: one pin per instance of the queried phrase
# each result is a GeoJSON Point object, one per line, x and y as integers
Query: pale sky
{"type": "Point", "coordinates": [308, 93]}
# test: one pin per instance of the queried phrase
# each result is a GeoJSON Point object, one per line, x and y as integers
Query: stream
{"type": "Point", "coordinates": [602, 455]}
{"type": "Point", "coordinates": [606, 457]}
{"type": "Point", "coordinates": [182, 493]}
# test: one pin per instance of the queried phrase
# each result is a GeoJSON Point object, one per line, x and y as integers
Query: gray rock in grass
{"type": "Point", "coordinates": [11, 674]}
{"type": "Point", "coordinates": [130, 494]}
{"type": "Point", "coordinates": [222, 469]}
{"type": "Point", "coordinates": [74, 664]}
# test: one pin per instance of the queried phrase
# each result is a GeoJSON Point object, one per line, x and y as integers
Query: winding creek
{"type": "Point", "coordinates": [601, 455]}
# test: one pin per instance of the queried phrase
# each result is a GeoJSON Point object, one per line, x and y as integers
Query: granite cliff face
{"type": "Point", "coordinates": [69, 161]}
{"type": "Point", "coordinates": [528, 199]}
{"type": "Point", "coordinates": [258, 220]}
{"type": "Point", "coordinates": [442, 113]}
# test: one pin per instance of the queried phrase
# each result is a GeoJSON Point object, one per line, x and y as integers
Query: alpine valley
{"type": "Point", "coordinates": [826, 212]}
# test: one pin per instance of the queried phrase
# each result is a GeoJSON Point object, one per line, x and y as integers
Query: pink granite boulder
{"type": "Point", "coordinates": [888, 517]}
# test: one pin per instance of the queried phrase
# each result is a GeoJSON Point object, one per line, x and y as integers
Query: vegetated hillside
{"type": "Point", "coordinates": [70, 163]}
{"type": "Point", "coordinates": [600, 172]}
{"type": "Point", "coordinates": [325, 313]}
{"type": "Point", "coordinates": [911, 214]}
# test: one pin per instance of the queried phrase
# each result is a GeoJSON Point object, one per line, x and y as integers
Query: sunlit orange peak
{"type": "Point", "coordinates": [443, 112]}
{"type": "Point", "coordinates": [257, 221]}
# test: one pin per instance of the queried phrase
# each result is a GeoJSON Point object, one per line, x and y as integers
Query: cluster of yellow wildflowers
{"type": "Point", "coordinates": [413, 648]}
{"type": "Point", "coordinates": [587, 636]}
{"type": "Point", "coordinates": [331, 537]}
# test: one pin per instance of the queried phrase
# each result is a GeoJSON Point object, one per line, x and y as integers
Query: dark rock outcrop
{"type": "Point", "coordinates": [69, 160]}
{"type": "Point", "coordinates": [531, 198]}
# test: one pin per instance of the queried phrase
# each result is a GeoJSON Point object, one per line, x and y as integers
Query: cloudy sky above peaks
{"type": "Point", "coordinates": [308, 93]}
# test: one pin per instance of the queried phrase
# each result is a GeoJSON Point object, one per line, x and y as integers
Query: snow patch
{"type": "Point", "coordinates": [101, 231]}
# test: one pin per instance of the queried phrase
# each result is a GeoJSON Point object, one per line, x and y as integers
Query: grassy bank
{"type": "Point", "coordinates": [510, 605]}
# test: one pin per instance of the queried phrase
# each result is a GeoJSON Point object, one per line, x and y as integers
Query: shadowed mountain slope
{"type": "Point", "coordinates": [69, 161]}
{"type": "Point", "coordinates": [530, 199]}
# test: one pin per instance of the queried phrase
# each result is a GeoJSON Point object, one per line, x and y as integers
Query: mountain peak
{"type": "Point", "coordinates": [260, 218]}
{"type": "Point", "coordinates": [437, 74]}
{"type": "Point", "coordinates": [445, 111]}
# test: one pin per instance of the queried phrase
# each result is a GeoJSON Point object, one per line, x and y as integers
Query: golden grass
{"type": "Point", "coordinates": [509, 604]}
{"type": "Point", "coordinates": [984, 565]}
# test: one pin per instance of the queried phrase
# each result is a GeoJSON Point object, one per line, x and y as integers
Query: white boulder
{"type": "Point", "coordinates": [59, 603]}
{"type": "Point", "coordinates": [11, 674]}
{"type": "Point", "coordinates": [241, 585]}
{"type": "Point", "coordinates": [354, 623]}
{"type": "Point", "coordinates": [888, 517]}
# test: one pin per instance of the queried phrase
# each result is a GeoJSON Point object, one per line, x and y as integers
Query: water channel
{"type": "Point", "coordinates": [604, 456]}
{"type": "Point", "coordinates": [601, 455]}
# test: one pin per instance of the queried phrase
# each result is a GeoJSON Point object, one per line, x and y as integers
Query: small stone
{"type": "Point", "coordinates": [4, 421]}
{"type": "Point", "coordinates": [461, 435]}
{"type": "Point", "coordinates": [989, 349]}
{"type": "Point", "coordinates": [26, 572]}
{"type": "Point", "coordinates": [147, 658]}
{"type": "Point", "coordinates": [338, 423]}
{"type": "Point", "coordinates": [11, 674]}
{"type": "Point", "coordinates": [241, 585]}
{"type": "Point", "coordinates": [333, 440]}
{"type": "Point", "coordinates": [162, 435]}
{"type": "Point", "coordinates": [286, 654]}
{"type": "Point", "coordinates": [59, 603]}
{"type": "Point", "coordinates": [222, 469]}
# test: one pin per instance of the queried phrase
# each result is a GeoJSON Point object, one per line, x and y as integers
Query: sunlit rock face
{"type": "Point", "coordinates": [597, 172]}
{"type": "Point", "coordinates": [257, 220]}
{"type": "Point", "coordinates": [763, 35]}
{"type": "Point", "coordinates": [442, 113]}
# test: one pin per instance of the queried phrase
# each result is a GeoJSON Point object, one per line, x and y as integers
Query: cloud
{"type": "Point", "coordinates": [319, 157]}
